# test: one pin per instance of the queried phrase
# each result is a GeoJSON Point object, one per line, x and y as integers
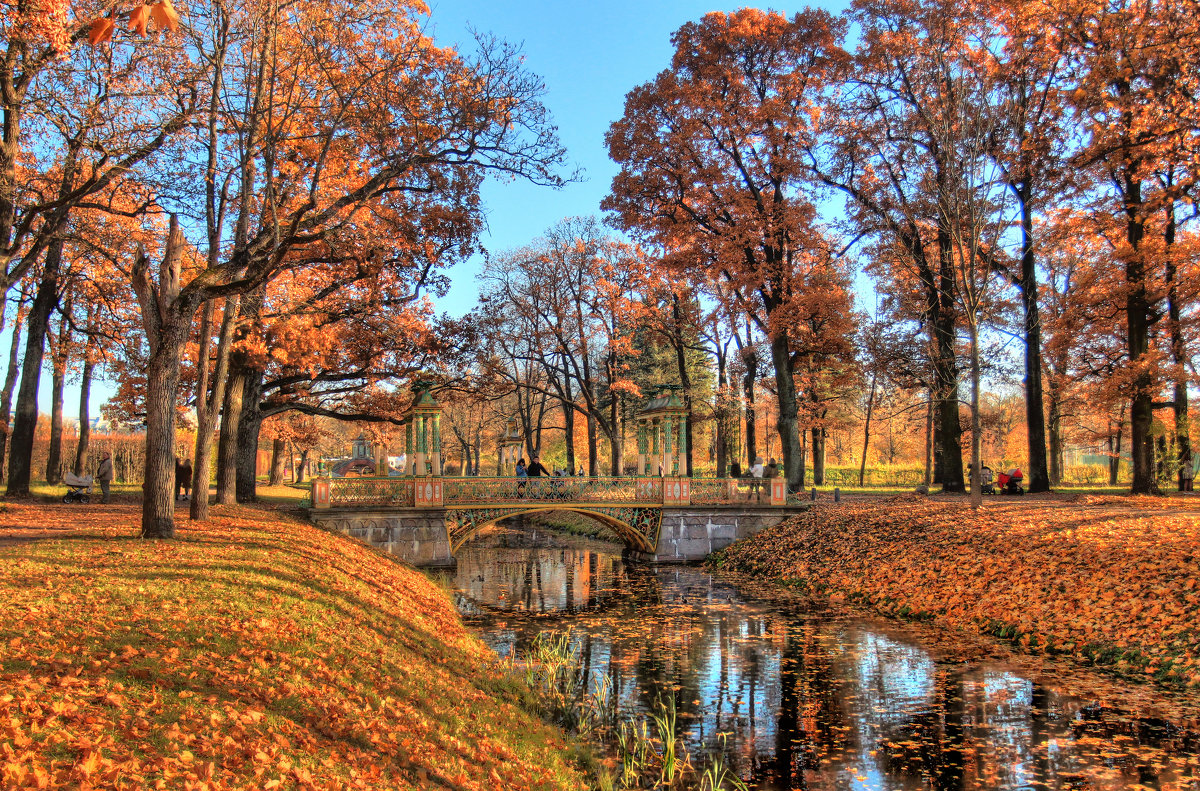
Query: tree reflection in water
{"type": "Point", "coordinates": [809, 698]}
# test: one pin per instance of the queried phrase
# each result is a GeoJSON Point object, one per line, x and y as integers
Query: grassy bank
{"type": "Point", "coordinates": [254, 652]}
{"type": "Point", "coordinates": [1111, 581]}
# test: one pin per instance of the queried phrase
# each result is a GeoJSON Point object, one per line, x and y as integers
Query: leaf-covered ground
{"type": "Point", "coordinates": [255, 652]}
{"type": "Point", "coordinates": [1111, 581]}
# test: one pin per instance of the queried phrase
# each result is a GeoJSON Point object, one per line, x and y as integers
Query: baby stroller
{"type": "Point", "coordinates": [78, 488]}
{"type": "Point", "coordinates": [986, 485]}
{"type": "Point", "coordinates": [1010, 482]}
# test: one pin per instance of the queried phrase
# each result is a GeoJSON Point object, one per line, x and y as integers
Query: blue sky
{"type": "Point", "coordinates": [589, 55]}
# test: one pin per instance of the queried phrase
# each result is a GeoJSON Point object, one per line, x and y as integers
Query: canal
{"type": "Point", "coordinates": [799, 694]}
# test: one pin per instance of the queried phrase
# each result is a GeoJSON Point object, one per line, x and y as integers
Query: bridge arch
{"type": "Point", "coordinates": [636, 526]}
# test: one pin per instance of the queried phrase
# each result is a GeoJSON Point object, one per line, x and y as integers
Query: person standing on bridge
{"type": "Point", "coordinates": [536, 470]}
{"type": "Point", "coordinates": [756, 474]}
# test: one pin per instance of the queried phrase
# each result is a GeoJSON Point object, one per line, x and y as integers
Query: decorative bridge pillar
{"type": "Point", "coordinates": [320, 493]}
{"type": "Point", "coordinates": [423, 444]}
{"type": "Point", "coordinates": [510, 449]}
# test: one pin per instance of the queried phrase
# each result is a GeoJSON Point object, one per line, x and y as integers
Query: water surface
{"type": "Point", "coordinates": [811, 697]}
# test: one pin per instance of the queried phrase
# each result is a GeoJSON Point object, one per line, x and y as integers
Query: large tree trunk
{"type": "Point", "coordinates": [616, 446]}
{"type": "Point", "coordinates": [247, 438]}
{"type": "Point", "coordinates": [949, 433]}
{"type": "Point", "coordinates": [207, 405]}
{"type": "Point", "coordinates": [10, 379]}
{"type": "Point", "coordinates": [89, 367]}
{"type": "Point", "coordinates": [1039, 478]}
{"type": "Point", "coordinates": [929, 441]}
{"type": "Point", "coordinates": [158, 488]}
{"type": "Point", "coordinates": [1114, 458]}
{"type": "Point", "coordinates": [58, 380]}
{"type": "Point", "coordinates": [751, 361]}
{"type": "Point", "coordinates": [20, 459]}
{"type": "Point", "coordinates": [818, 455]}
{"type": "Point", "coordinates": [1055, 436]}
{"type": "Point", "coordinates": [167, 320]}
{"type": "Point", "coordinates": [1137, 316]}
{"type": "Point", "coordinates": [1179, 357]}
{"type": "Point", "coordinates": [231, 416]}
{"type": "Point", "coordinates": [279, 461]}
{"type": "Point", "coordinates": [789, 435]}
{"type": "Point", "coordinates": [569, 427]}
{"type": "Point", "coordinates": [976, 422]}
{"type": "Point", "coordinates": [302, 467]}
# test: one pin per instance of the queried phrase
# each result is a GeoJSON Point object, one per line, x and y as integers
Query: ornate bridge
{"type": "Point", "coordinates": [404, 512]}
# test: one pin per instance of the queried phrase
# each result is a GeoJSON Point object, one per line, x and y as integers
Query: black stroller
{"type": "Point", "coordinates": [79, 488]}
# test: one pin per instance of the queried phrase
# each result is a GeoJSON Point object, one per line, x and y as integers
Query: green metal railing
{"type": "Point", "coordinates": [355, 492]}
{"type": "Point", "coordinates": [471, 491]}
{"type": "Point", "coordinates": [400, 492]}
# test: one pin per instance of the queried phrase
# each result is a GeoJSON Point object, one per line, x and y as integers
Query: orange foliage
{"type": "Point", "coordinates": [255, 652]}
{"type": "Point", "coordinates": [1108, 580]}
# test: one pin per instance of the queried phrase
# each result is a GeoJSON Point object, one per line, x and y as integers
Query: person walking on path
{"type": "Point", "coordinates": [178, 478]}
{"type": "Point", "coordinates": [185, 470]}
{"type": "Point", "coordinates": [104, 475]}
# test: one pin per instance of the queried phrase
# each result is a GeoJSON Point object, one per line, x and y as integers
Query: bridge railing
{"type": "Point", "coordinates": [469, 491]}
{"type": "Point", "coordinates": [365, 492]}
{"type": "Point", "coordinates": [424, 492]}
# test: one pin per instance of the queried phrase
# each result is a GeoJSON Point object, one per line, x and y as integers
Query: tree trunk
{"type": "Point", "coordinates": [85, 418]}
{"type": "Point", "coordinates": [167, 320]}
{"type": "Point", "coordinates": [721, 430]}
{"type": "Point", "coordinates": [1179, 357]}
{"type": "Point", "coordinates": [302, 467]}
{"type": "Point", "coordinates": [20, 459]}
{"type": "Point", "coordinates": [976, 423]}
{"type": "Point", "coordinates": [818, 455]}
{"type": "Point", "coordinates": [1035, 420]}
{"type": "Point", "coordinates": [803, 458]}
{"type": "Point", "coordinates": [616, 446]}
{"type": "Point", "coordinates": [279, 461]}
{"type": "Point", "coordinates": [10, 379]}
{"type": "Point", "coordinates": [593, 441]}
{"type": "Point", "coordinates": [1114, 459]}
{"type": "Point", "coordinates": [1137, 317]}
{"type": "Point", "coordinates": [227, 441]}
{"type": "Point", "coordinates": [207, 405]}
{"type": "Point", "coordinates": [751, 361]}
{"type": "Point", "coordinates": [785, 385]}
{"type": "Point", "coordinates": [950, 430]}
{"type": "Point", "coordinates": [58, 379]}
{"type": "Point", "coordinates": [862, 468]}
{"type": "Point", "coordinates": [158, 487]}
{"type": "Point", "coordinates": [1055, 436]}
{"type": "Point", "coordinates": [247, 438]}
{"type": "Point", "coordinates": [929, 430]}
{"type": "Point", "coordinates": [569, 428]}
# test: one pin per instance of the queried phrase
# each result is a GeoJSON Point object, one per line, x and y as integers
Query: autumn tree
{"type": "Point", "coordinates": [711, 166]}
{"type": "Point", "coordinates": [350, 72]}
{"type": "Point", "coordinates": [1135, 100]}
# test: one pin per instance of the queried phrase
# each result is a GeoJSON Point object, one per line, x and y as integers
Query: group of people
{"type": "Point", "coordinates": [756, 475]}
{"type": "Point", "coordinates": [535, 469]}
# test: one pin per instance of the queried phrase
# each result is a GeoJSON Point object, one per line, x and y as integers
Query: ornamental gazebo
{"type": "Point", "coordinates": [510, 448]}
{"type": "Point", "coordinates": [662, 435]}
{"type": "Point", "coordinates": [423, 433]}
